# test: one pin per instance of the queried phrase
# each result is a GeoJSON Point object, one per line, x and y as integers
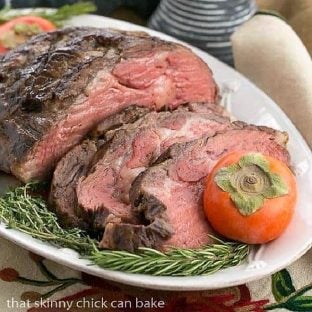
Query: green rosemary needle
{"type": "Point", "coordinates": [29, 214]}
{"type": "Point", "coordinates": [176, 261]}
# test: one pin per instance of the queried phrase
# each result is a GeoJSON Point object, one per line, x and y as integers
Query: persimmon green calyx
{"type": "Point", "coordinates": [249, 182]}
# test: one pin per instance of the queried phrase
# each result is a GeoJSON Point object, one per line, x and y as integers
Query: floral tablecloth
{"type": "Point", "coordinates": [30, 283]}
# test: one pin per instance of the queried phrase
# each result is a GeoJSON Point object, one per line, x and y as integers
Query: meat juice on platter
{"type": "Point", "coordinates": [128, 127]}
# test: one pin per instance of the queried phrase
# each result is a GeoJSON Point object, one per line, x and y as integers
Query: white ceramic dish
{"type": "Point", "coordinates": [249, 104]}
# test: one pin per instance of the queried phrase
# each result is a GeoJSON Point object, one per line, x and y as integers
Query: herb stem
{"type": "Point", "coordinates": [43, 269]}
{"type": "Point", "coordinates": [284, 302]}
{"type": "Point", "coordinates": [27, 281]}
{"type": "Point", "coordinates": [59, 288]}
{"type": "Point", "coordinates": [30, 215]}
{"type": "Point", "coordinates": [175, 262]}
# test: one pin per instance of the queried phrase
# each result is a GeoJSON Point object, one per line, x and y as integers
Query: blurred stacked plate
{"type": "Point", "coordinates": [207, 24]}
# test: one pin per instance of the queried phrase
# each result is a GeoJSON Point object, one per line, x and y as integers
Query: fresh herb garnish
{"type": "Point", "coordinates": [57, 16]}
{"type": "Point", "coordinates": [29, 214]}
{"type": "Point", "coordinates": [21, 209]}
{"type": "Point", "coordinates": [175, 262]}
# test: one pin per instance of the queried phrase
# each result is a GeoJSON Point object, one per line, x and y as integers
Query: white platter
{"type": "Point", "coordinates": [248, 104]}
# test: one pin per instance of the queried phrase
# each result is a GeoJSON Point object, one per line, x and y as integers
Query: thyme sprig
{"type": "Point", "coordinates": [22, 209]}
{"type": "Point", "coordinates": [30, 214]}
{"type": "Point", "coordinates": [176, 261]}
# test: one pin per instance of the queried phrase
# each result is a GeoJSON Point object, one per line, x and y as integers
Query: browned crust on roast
{"type": "Point", "coordinates": [62, 197]}
{"type": "Point", "coordinates": [280, 137]}
{"type": "Point", "coordinates": [126, 116]}
{"type": "Point", "coordinates": [122, 236]}
{"type": "Point", "coordinates": [145, 203]}
{"type": "Point", "coordinates": [42, 78]}
{"type": "Point", "coordinates": [77, 163]}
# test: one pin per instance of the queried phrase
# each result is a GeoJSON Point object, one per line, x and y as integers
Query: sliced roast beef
{"type": "Point", "coordinates": [63, 187]}
{"type": "Point", "coordinates": [104, 191]}
{"type": "Point", "coordinates": [171, 190]}
{"type": "Point", "coordinates": [99, 200]}
{"type": "Point", "coordinates": [76, 163]}
{"type": "Point", "coordinates": [60, 84]}
{"type": "Point", "coordinates": [114, 122]}
{"type": "Point", "coordinates": [123, 236]}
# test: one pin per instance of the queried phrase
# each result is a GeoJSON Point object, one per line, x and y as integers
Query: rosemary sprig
{"type": "Point", "coordinates": [29, 214]}
{"type": "Point", "coordinates": [58, 16]}
{"type": "Point", "coordinates": [175, 262]}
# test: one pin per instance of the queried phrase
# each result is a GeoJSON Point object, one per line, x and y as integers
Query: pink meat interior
{"type": "Point", "coordinates": [154, 80]}
{"type": "Point", "coordinates": [179, 186]}
{"type": "Point", "coordinates": [108, 185]}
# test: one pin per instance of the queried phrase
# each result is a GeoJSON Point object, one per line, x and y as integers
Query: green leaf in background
{"type": "Point", "coordinates": [282, 285]}
{"type": "Point", "coordinates": [68, 11]}
{"type": "Point", "coordinates": [57, 16]}
{"type": "Point", "coordinates": [287, 297]}
{"type": "Point", "coordinates": [300, 303]}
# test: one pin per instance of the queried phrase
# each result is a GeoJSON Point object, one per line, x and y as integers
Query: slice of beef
{"type": "Point", "coordinates": [114, 122]}
{"type": "Point", "coordinates": [62, 196]}
{"type": "Point", "coordinates": [123, 236]}
{"type": "Point", "coordinates": [76, 163]}
{"type": "Point", "coordinates": [56, 87]}
{"type": "Point", "coordinates": [104, 191]}
{"type": "Point", "coordinates": [202, 107]}
{"type": "Point", "coordinates": [172, 189]}
{"type": "Point", "coordinates": [105, 130]}
{"type": "Point", "coordinates": [108, 137]}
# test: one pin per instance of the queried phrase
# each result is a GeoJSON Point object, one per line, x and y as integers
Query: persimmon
{"type": "Point", "coordinates": [250, 197]}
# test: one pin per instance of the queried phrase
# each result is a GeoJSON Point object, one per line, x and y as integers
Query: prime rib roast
{"type": "Point", "coordinates": [59, 85]}
{"type": "Point", "coordinates": [143, 186]}
{"type": "Point", "coordinates": [132, 149]}
{"type": "Point", "coordinates": [128, 126]}
{"type": "Point", "coordinates": [182, 169]}
{"type": "Point", "coordinates": [123, 153]}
